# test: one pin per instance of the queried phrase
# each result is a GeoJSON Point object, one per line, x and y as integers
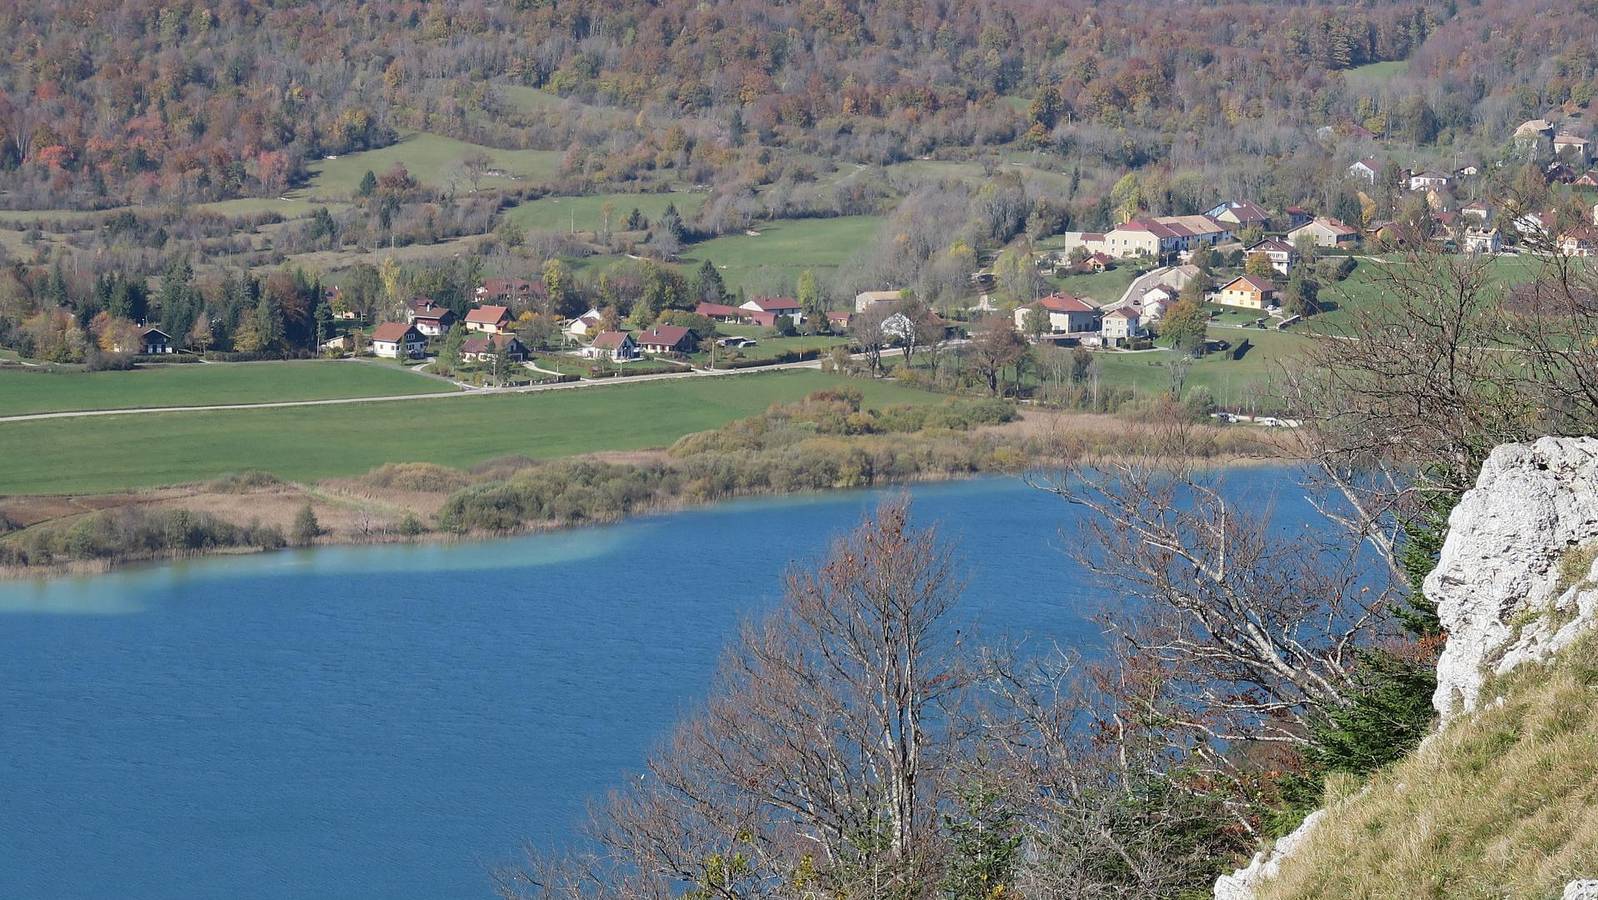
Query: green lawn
{"type": "Point", "coordinates": [1101, 286]}
{"type": "Point", "coordinates": [1367, 284]}
{"type": "Point", "coordinates": [106, 453]}
{"type": "Point", "coordinates": [587, 213]}
{"type": "Point", "coordinates": [783, 249]}
{"type": "Point", "coordinates": [196, 384]}
{"type": "Point", "coordinates": [1231, 382]}
{"type": "Point", "coordinates": [432, 159]}
{"type": "Point", "coordinates": [1377, 73]}
{"type": "Point", "coordinates": [771, 347]}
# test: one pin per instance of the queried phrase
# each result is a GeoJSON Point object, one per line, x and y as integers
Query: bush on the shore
{"type": "Point", "coordinates": [132, 533]}
{"type": "Point", "coordinates": [823, 442]}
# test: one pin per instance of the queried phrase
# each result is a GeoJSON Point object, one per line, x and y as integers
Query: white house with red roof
{"type": "Point", "coordinates": [583, 325]}
{"type": "Point", "coordinates": [397, 339]}
{"type": "Point", "coordinates": [613, 345]}
{"type": "Point", "coordinates": [488, 319]}
{"type": "Point", "coordinates": [1281, 254]}
{"type": "Point", "coordinates": [1067, 314]}
{"type": "Point", "coordinates": [486, 347]}
{"type": "Point", "coordinates": [428, 317]}
{"type": "Point", "coordinates": [775, 307]}
{"type": "Point", "coordinates": [668, 339]}
{"type": "Point", "coordinates": [1242, 213]}
{"type": "Point", "coordinates": [1325, 232]}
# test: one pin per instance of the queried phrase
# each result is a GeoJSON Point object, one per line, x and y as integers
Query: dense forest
{"type": "Point", "coordinates": [108, 102]}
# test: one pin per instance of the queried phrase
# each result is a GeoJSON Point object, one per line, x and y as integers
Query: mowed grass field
{"type": "Point", "coordinates": [107, 453]}
{"type": "Point", "coordinates": [430, 158]}
{"type": "Point", "coordinates": [1368, 284]}
{"type": "Point", "coordinates": [23, 391]}
{"type": "Point", "coordinates": [588, 213]}
{"type": "Point", "coordinates": [781, 250]}
{"type": "Point", "coordinates": [1233, 382]}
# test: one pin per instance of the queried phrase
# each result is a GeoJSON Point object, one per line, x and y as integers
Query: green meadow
{"type": "Point", "coordinates": [205, 384]}
{"type": "Point", "coordinates": [779, 251]}
{"type": "Point", "coordinates": [107, 453]}
{"type": "Point", "coordinates": [588, 213]}
{"type": "Point", "coordinates": [433, 160]}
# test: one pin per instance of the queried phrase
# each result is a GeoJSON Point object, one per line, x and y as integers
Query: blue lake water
{"type": "Point", "coordinates": [390, 721]}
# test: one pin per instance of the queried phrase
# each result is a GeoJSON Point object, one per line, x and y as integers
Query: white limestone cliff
{"type": "Point", "coordinates": [1505, 588]}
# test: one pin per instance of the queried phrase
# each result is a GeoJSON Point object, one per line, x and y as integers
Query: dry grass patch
{"type": "Point", "coordinates": [1499, 804]}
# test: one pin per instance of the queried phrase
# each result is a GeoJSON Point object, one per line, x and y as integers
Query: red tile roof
{"type": "Point", "coordinates": [663, 336]}
{"type": "Point", "coordinates": [392, 332]}
{"type": "Point", "coordinates": [488, 315]}
{"type": "Point", "coordinates": [1064, 303]}
{"type": "Point", "coordinates": [712, 310]}
{"type": "Point", "coordinates": [611, 340]}
{"type": "Point", "coordinates": [1259, 284]}
{"type": "Point", "coordinates": [776, 304]}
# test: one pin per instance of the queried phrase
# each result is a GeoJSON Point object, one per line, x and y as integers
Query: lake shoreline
{"type": "Point", "coordinates": [420, 503]}
{"type": "Point", "coordinates": [93, 567]}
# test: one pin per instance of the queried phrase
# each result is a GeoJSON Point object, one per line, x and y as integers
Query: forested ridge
{"type": "Point", "coordinates": [115, 101]}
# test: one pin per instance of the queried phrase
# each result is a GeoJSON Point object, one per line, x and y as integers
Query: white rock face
{"type": "Point", "coordinates": [1240, 885]}
{"type": "Point", "coordinates": [1495, 583]}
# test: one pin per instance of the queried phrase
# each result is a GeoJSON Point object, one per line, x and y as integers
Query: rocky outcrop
{"type": "Point", "coordinates": [1515, 581]}
{"type": "Point", "coordinates": [1240, 885]}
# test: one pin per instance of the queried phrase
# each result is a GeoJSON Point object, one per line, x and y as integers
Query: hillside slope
{"type": "Point", "coordinates": [1499, 803]}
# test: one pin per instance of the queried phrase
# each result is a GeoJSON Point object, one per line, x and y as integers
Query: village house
{"type": "Point", "coordinates": [1156, 237]}
{"type": "Point", "coordinates": [1066, 315]}
{"type": "Point", "coordinates": [720, 312]}
{"type": "Point", "coordinates": [1151, 305]}
{"type": "Point", "coordinates": [1097, 262]}
{"type": "Point", "coordinates": [486, 347]}
{"type": "Point", "coordinates": [1480, 241]}
{"type": "Point", "coordinates": [1573, 146]}
{"type": "Point", "coordinates": [1241, 213]}
{"type": "Point", "coordinates": [583, 325]}
{"type": "Point", "coordinates": [867, 299]}
{"type": "Point", "coordinates": [775, 307]}
{"type": "Point", "coordinates": [838, 320]}
{"type": "Point", "coordinates": [397, 340]}
{"type": "Point", "coordinates": [488, 319]}
{"type": "Point", "coordinates": [1247, 291]}
{"type": "Point", "coordinates": [1368, 169]}
{"type": "Point", "coordinates": [668, 339]}
{"type": "Point", "coordinates": [1427, 181]}
{"type": "Point", "coordinates": [342, 343]}
{"type": "Point", "coordinates": [1535, 224]}
{"type": "Point", "coordinates": [1579, 241]}
{"type": "Point", "coordinates": [1281, 254]}
{"type": "Point", "coordinates": [1297, 215]}
{"type": "Point", "coordinates": [1588, 179]}
{"type": "Point", "coordinates": [1325, 232]}
{"type": "Point", "coordinates": [1119, 326]}
{"type": "Point", "coordinates": [618, 346]}
{"type": "Point", "coordinates": [154, 342]}
{"type": "Point", "coordinates": [508, 291]}
{"type": "Point", "coordinates": [1534, 133]}
{"type": "Point", "coordinates": [1477, 210]}
{"type": "Point", "coordinates": [428, 317]}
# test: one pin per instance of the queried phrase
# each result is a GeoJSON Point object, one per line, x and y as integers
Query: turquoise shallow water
{"type": "Point", "coordinates": [389, 721]}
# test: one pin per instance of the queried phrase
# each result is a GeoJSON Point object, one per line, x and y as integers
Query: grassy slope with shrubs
{"type": "Point", "coordinates": [1499, 804]}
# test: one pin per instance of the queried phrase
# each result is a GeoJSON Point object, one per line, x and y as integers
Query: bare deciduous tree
{"type": "Point", "coordinates": [815, 766]}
